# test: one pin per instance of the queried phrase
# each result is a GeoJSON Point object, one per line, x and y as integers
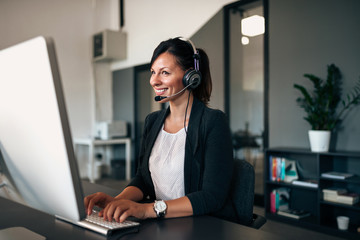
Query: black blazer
{"type": "Point", "coordinates": [208, 157]}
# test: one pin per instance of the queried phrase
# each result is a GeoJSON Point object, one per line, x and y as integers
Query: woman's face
{"type": "Point", "coordinates": [166, 75]}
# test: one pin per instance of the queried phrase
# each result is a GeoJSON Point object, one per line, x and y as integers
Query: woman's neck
{"type": "Point", "coordinates": [175, 121]}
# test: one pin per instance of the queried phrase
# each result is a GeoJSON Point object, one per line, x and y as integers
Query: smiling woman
{"type": "Point", "coordinates": [177, 144]}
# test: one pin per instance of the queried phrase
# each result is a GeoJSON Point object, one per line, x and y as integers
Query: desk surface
{"type": "Point", "coordinates": [202, 227]}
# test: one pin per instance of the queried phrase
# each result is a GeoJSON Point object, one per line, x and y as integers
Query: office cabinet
{"type": "Point", "coordinates": [322, 213]}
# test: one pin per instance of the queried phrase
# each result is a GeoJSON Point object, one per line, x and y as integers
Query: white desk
{"type": "Point", "coordinates": [92, 143]}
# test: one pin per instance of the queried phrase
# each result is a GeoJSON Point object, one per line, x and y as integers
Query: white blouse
{"type": "Point", "coordinates": [166, 164]}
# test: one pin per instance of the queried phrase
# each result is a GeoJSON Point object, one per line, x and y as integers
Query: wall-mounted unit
{"type": "Point", "coordinates": [109, 45]}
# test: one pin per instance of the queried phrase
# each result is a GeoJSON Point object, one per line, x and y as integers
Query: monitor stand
{"type": "Point", "coordinates": [19, 233]}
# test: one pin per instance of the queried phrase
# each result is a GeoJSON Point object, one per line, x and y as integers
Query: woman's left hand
{"type": "Point", "coordinates": [120, 209]}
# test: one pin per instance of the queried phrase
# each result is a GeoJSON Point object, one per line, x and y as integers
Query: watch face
{"type": "Point", "coordinates": [160, 206]}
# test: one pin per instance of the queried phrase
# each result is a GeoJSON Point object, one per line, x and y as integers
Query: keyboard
{"type": "Point", "coordinates": [98, 224]}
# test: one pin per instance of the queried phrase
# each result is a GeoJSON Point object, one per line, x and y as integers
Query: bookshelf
{"type": "Point", "coordinates": [311, 165]}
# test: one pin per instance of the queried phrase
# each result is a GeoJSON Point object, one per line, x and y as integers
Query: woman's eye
{"type": "Point", "coordinates": [165, 73]}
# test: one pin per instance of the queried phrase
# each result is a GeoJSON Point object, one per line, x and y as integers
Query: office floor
{"type": "Point", "coordinates": [286, 230]}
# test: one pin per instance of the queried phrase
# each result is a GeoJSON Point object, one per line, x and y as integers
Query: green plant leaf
{"type": "Point", "coordinates": [321, 103]}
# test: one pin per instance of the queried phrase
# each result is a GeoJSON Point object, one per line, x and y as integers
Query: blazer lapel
{"type": "Point", "coordinates": [192, 165]}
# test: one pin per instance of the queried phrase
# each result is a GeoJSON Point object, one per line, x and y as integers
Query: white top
{"type": "Point", "coordinates": [166, 164]}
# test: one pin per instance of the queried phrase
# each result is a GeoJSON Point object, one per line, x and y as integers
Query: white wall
{"type": "Point", "coordinates": [150, 22]}
{"type": "Point", "coordinates": [22, 20]}
{"type": "Point", "coordinates": [72, 24]}
{"type": "Point", "coordinates": [211, 38]}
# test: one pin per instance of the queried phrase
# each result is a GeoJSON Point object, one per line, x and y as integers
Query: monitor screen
{"type": "Point", "coordinates": [37, 162]}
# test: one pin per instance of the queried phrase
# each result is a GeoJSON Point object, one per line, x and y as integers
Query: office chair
{"type": "Point", "coordinates": [239, 205]}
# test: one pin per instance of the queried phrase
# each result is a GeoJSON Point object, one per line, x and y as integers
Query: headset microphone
{"type": "Point", "coordinates": [159, 98]}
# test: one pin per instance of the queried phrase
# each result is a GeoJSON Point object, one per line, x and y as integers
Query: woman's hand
{"type": "Point", "coordinates": [120, 209]}
{"type": "Point", "coordinates": [97, 199]}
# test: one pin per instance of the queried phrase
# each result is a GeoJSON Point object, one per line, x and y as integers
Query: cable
{"type": "Point", "coordinates": [187, 105]}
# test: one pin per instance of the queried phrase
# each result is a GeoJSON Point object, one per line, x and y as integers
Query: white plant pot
{"type": "Point", "coordinates": [319, 140]}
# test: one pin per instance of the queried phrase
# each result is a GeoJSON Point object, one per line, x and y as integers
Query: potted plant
{"type": "Point", "coordinates": [321, 105]}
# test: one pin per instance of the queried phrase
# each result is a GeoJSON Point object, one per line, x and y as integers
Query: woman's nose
{"type": "Point", "coordinates": [155, 80]}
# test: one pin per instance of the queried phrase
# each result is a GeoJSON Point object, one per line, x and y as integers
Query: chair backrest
{"type": "Point", "coordinates": [239, 205]}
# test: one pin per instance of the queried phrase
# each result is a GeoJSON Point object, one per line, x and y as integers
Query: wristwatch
{"type": "Point", "coordinates": [160, 208]}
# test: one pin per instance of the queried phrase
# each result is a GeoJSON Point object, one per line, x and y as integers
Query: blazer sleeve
{"type": "Point", "coordinates": [217, 161]}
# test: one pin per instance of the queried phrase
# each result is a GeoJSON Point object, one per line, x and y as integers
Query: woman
{"type": "Point", "coordinates": [186, 152]}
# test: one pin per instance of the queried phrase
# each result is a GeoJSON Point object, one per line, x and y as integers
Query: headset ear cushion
{"type": "Point", "coordinates": [192, 78]}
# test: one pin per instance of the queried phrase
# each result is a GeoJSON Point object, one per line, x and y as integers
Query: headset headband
{"type": "Point", "coordinates": [196, 55]}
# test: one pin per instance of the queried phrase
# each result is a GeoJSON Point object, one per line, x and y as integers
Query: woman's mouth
{"type": "Point", "coordinates": [160, 91]}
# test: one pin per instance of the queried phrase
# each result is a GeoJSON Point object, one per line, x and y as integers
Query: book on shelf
{"type": "Point", "coordinates": [348, 198]}
{"type": "Point", "coordinates": [279, 199]}
{"type": "Point", "coordinates": [340, 195]}
{"type": "Point", "coordinates": [345, 198]}
{"type": "Point", "coordinates": [331, 194]}
{"type": "Point", "coordinates": [276, 166]}
{"type": "Point", "coordinates": [334, 190]}
{"type": "Point", "coordinates": [282, 169]}
{"type": "Point", "coordinates": [337, 175]}
{"type": "Point", "coordinates": [293, 213]}
{"type": "Point", "coordinates": [273, 201]}
{"type": "Point", "coordinates": [330, 197]}
{"type": "Point", "coordinates": [306, 183]}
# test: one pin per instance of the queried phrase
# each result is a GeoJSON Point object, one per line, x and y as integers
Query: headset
{"type": "Point", "coordinates": [192, 77]}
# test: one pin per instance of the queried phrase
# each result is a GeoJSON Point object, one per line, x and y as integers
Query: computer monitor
{"type": "Point", "coordinates": [37, 161]}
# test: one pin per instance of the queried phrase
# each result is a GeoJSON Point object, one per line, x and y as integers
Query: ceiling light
{"type": "Point", "coordinates": [253, 26]}
{"type": "Point", "coordinates": [245, 40]}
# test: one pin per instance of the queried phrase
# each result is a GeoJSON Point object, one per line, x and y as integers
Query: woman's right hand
{"type": "Point", "coordinates": [99, 199]}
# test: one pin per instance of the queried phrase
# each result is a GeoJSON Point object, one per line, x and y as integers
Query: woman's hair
{"type": "Point", "coordinates": [183, 52]}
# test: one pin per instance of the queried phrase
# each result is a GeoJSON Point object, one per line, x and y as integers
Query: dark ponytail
{"type": "Point", "coordinates": [203, 91]}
